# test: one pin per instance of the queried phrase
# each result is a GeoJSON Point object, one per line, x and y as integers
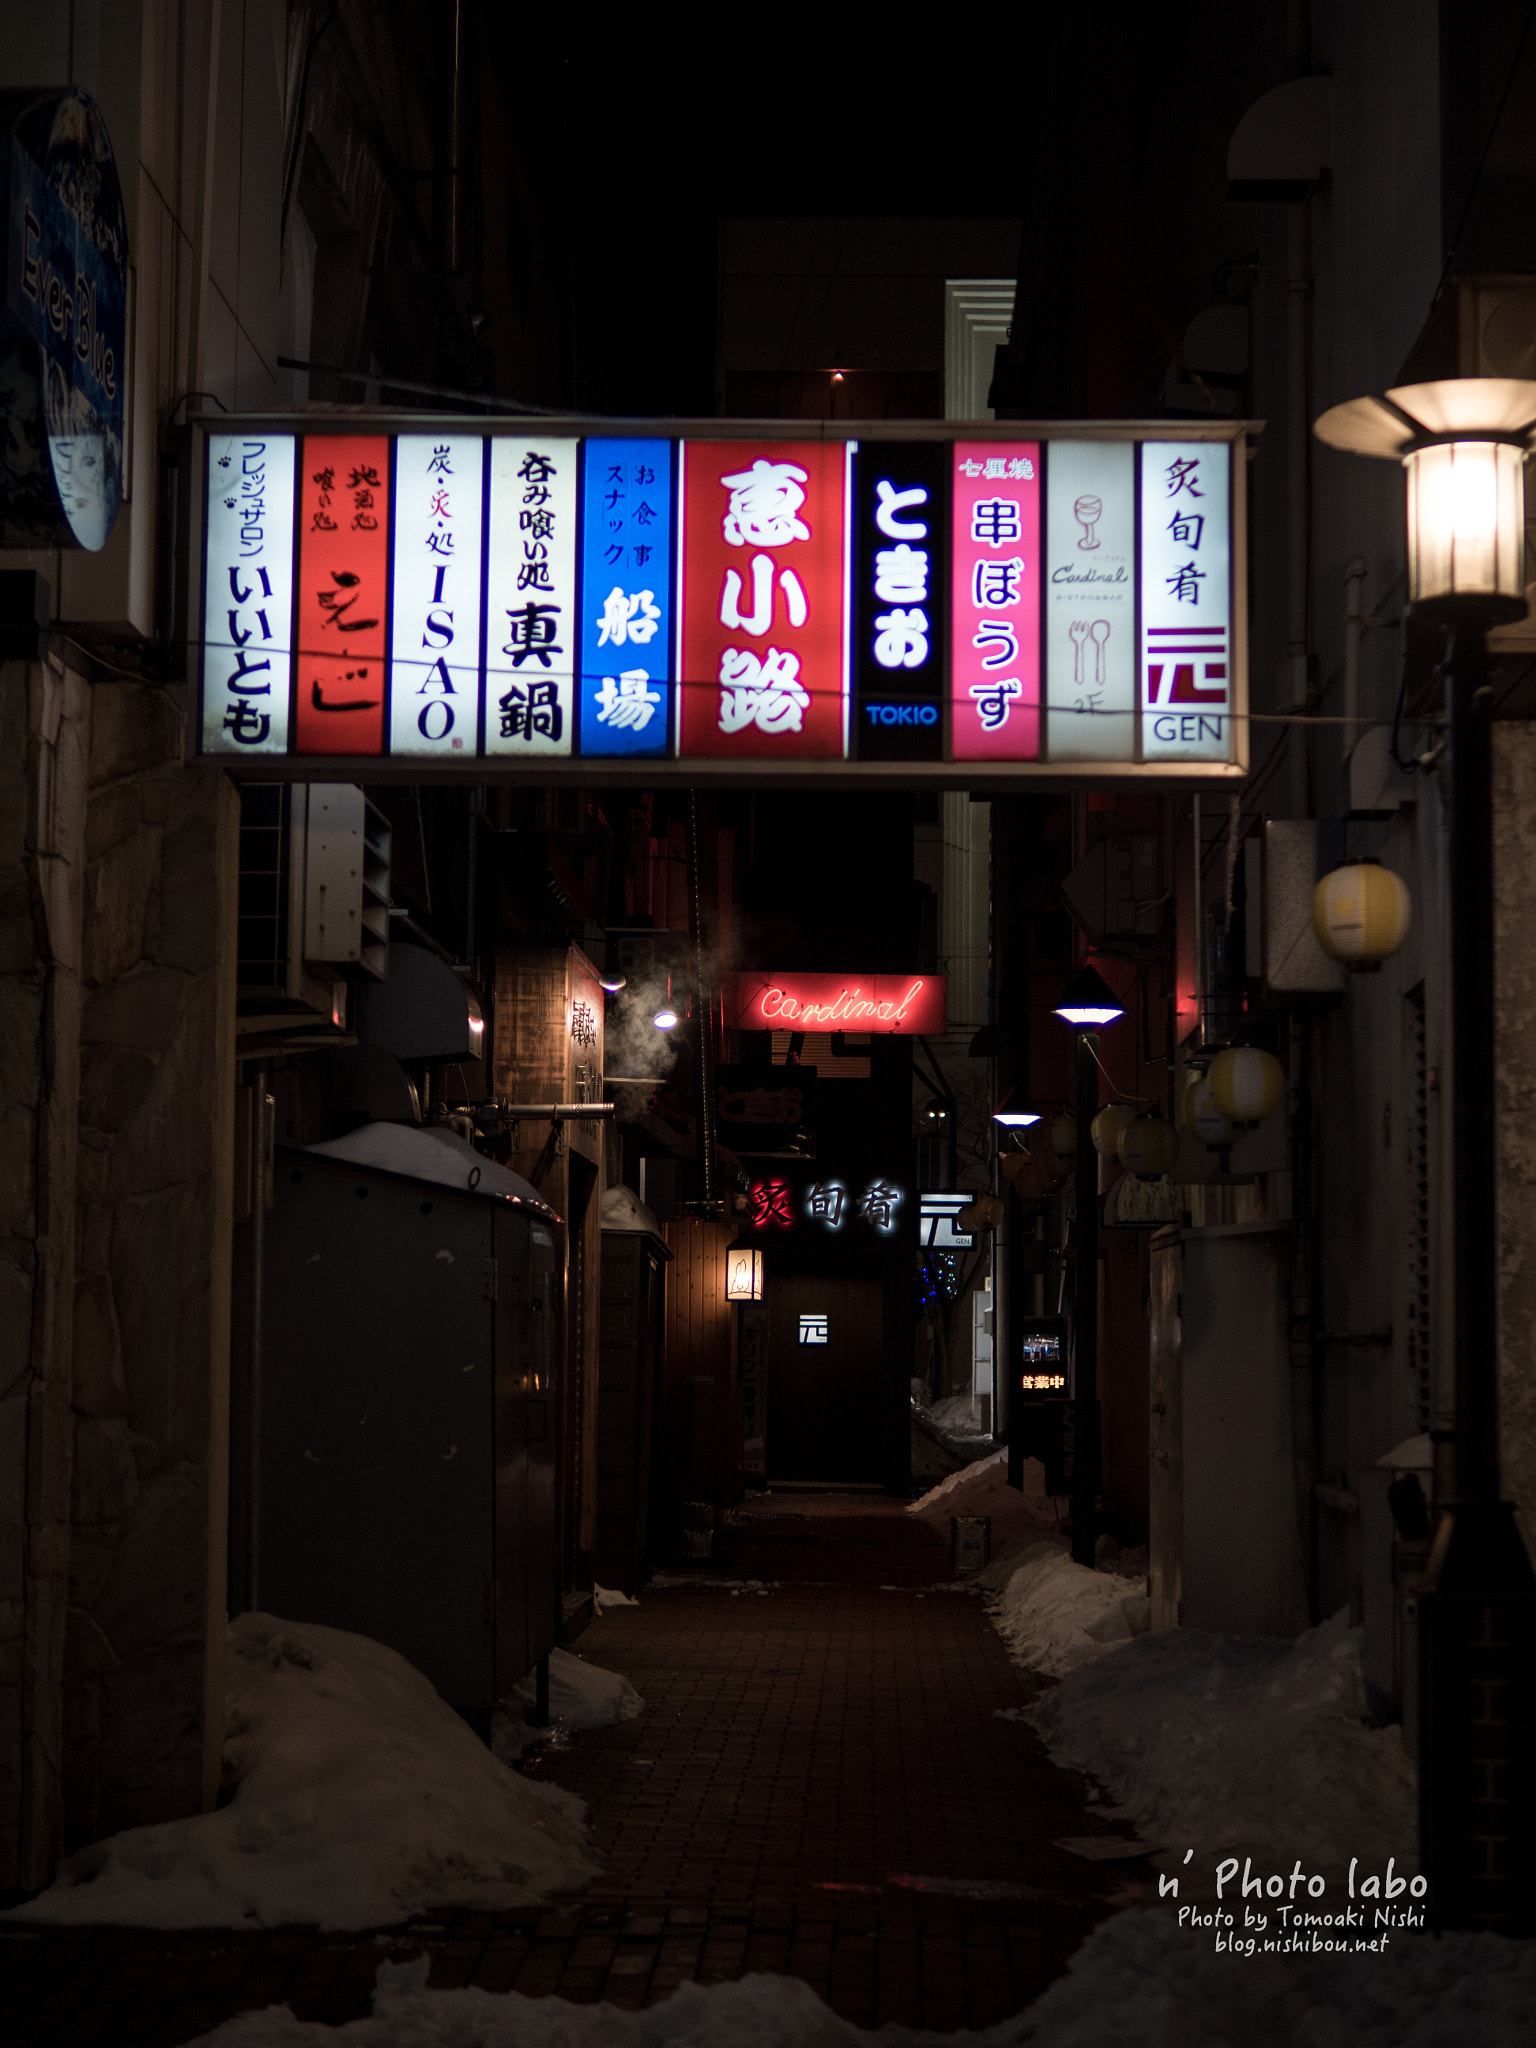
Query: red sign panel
{"type": "Point", "coordinates": [911, 1005]}
{"type": "Point", "coordinates": [343, 594]}
{"type": "Point", "coordinates": [995, 670]}
{"type": "Point", "coordinates": [763, 656]}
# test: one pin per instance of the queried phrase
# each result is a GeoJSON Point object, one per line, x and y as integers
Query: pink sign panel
{"type": "Point", "coordinates": [763, 661]}
{"type": "Point", "coordinates": [995, 649]}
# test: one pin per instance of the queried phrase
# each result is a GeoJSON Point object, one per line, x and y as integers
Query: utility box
{"type": "Point", "coordinates": [1225, 1546]}
{"type": "Point", "coordinates": [406, 1397]}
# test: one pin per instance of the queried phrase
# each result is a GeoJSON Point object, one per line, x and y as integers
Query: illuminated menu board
{"type": "Point", "coordinates": [483, 599]}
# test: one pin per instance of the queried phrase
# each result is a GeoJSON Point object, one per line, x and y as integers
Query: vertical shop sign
{"type": "Point", "coordinates": [343, 606]}
{"type": "Point", "coordinates": [1186, 600]}
{"type": "Point", "coordinates": [900, 600]}
{"type": "Point", "coordinates": [248, 594]}
{"type": "Point", "coordinates": [763, 656]}
{"type": "Point", "coordinates": [531, 622]}
{"type": "Point", "coordinates": [995, 657]}
{"type": "Point", "coordinates": [434, 680]}
{"type": "Point", "coordinates": [1090, 601]}
{"type": "Point", "coordinates": [752, 1371]}
{"type": "Point", "coordinates": [627, 596]}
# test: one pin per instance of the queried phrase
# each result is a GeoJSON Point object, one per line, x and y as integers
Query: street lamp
{"type": "Point", "coordinates": [1463, 444]}
{"type": "Point", "coordinates": [1087, 1004]}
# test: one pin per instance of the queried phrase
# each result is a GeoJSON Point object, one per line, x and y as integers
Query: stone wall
{"type": "Point", "coordinates": [117, 879]}
{"type": "Point", "coordinates": [1514, 853]}
{"type": "Point", "coordinates": [43, 716]}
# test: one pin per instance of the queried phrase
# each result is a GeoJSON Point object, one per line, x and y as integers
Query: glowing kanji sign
{"type": "Point", "coordinates": [764, 614]}
{"type": "Point", "coordinates": [502, 599]}
{"type": "Point", "coordinates": [768, 1205]}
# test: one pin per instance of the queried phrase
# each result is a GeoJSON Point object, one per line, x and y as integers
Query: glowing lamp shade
{"type": "Point", "coordinates": [1149, 1145]}
{"type": "Point", "coordinates": [1203, 1114]}
{"type": "Point", "coordinates": [1466, 521]}
{"type": "Point", "coordinates": [1246, 1084]}
{"type": "Point", "coordinates": [1089, 1002]}
{"type": "Point", "coordinates": [666, 1020]}
{"type": "Point", "coordinates": [1108, 1127]}
{"type": "Point", "coordinates": [1012, 1114]}
{"type": "Point", "coordinates": [1361, 913]}
{"type": "Point", "coordinates": [743, 1274]}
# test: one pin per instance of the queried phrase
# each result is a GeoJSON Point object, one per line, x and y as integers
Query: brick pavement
{"type": "Point", "coordinates": [819, 1785]}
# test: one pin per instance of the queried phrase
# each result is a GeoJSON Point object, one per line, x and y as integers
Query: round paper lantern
{"type": "Point", "coordinates": [1205, 1116]}
{"type": "Point", "coordinates": [1064, 1135]}
{"type": "Point", "coordinates": [1107, 1127]}
{"type": "Point", "coordinates": [1148, 1146]}
{"type": "Point", "coordinates": [1247, 1085]}
{"type": "Point", "coordinates": [1361, 913]}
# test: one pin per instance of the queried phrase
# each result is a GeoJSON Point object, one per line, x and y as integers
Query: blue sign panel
{"type": "Point", "coordinates": [627, 587]}
{"type": "Point", "coordinates": [63, 323]}
{"type": "Point", "coordinates": [900, 613]}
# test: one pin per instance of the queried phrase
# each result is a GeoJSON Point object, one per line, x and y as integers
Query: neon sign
{"type": "Point", "coordinates": [901, 1004]}
{"type": "Point", "coordinates": [770, 1205]}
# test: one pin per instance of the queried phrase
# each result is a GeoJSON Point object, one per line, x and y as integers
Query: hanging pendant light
{"type": "Point", "coordinates": [1203, 1114]}
{"type": "Point", "coordinates": [1361, 913]}
{"type": "Point", "coordinates": [1149, 1145]}
{"type": "Point", "coordinates": [1064, 1136]}
{"type": "Point", "coordinates": [1107, 1128]}
{"type": "Point", "coordinates": [1246, 1084]}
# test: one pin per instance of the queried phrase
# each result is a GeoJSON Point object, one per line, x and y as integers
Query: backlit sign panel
{"type": "Point", "coordinates": [995, 583]}
{"type": "Point", "coordinates": [763, 647]}
{"type": "Point", "coordinates": [493, 600]}
{"type": "Point", "coordinates": [248, 569]}
{"type": "Point", "coordinates": [1090, 601]}
{"type": "Point", "coordinates": [531, 614]}
{"type": "Point", "coordinates": [901, 600]}
{"type": "Point", "coordinates": [343, 593]}
{"type": "Point", "coordinates": [628, 598]}
{"type": "Point", "coordinates": [435, 651]}
{"type": "Point", "coordinates": [1186, 601]}
{"type": "Point", "coordinates": [909, 1004]}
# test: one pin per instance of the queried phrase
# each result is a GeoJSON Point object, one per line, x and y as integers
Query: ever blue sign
{"type": "Point", "coordinates": [64, 328]}
{"type": "Point", "coordinates": [625, 660]}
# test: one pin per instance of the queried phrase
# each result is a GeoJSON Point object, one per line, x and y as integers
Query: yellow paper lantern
{"type": "Point", "coordinates": [1246, 1084]}
{"type": "Point", "coordinates": [1148, 1146]}
{"type": "Point", "coordinates": [1107, 1127]}
{"type": "Point", "coordinates": [1204, 1114]}
{"type": "Point", "coordinates": [1064, 1135]}
{"type": "Point", "coordinates": [1361, 913]}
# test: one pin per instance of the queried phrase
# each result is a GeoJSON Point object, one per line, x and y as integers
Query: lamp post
{"type": "Point", "coordinates": [1463, 445]}
{"type": "Point", "coordinates": [1088, 1004]}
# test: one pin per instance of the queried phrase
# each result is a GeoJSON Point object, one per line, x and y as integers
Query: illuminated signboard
{"type": "Point", "coordinates": [910, 1004]}
{"type": "Point", "coordinates": [901, 607]}
{"type": "Point", "coordinates": [481, 599]}
{"type": "Point", "coordinates": [828, 1204]}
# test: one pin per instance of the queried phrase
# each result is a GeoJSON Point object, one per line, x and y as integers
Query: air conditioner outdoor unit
{"type": "Point", "coordinates": [314, 908]}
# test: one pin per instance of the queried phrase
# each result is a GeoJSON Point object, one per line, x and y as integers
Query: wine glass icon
{"type": "Point", "coordinates": [1088, 511]}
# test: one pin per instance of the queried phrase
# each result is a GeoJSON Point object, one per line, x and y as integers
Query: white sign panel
{"type": "Point", "coordinates": [1090, 601]}
{"type": "Point", "coordinates": [1186, 601]}
{"type": "Point", "coordinates": [248, 595]}
{"type": "Point", "coordinates": [531, 617]}
{"type": "Point", "coordinates": [435, 636]}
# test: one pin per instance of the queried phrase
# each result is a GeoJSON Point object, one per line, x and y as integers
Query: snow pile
{"type": "Point", "coordinates": [606, 1596]}
{"type": "Point", "coordinates": [360, 1799]}
{"type": "Point", "coordinates": [1138, 1978]}
{"type": "Point", "coordinates": [958, 1415]}
{"type": "Point", "coordinates": [581, 1696]}
{"type": "Point", "coordinates": [1017, 1517]}
{"type": "Point", "coordinates": [1142, 1978]}
{"type": "Point", "coordinates": [1055, 1615]}
{"type": "Point", "coordinates": [1240, 1743]}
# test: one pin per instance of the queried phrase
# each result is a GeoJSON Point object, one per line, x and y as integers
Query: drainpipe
{"type": "Point", "coordinates": [704, 1017]}
{"type": "Point", "coordinates": [1354, 583]}
{"type": "Point", "coordinates": [448, 183]}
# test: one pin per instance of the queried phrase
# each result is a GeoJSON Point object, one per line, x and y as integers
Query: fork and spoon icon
{"type": "Point", "coordinates": [1082, 632]}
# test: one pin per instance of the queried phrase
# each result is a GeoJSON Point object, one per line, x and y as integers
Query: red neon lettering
{"type": "Point", "coordinates": [907, 1000]}
{"type": "Point", "coordinates": [777, 1004]}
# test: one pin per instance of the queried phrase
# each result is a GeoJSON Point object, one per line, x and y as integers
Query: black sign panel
{"type": "Point", "coordinates": [900, 600]}
{"type": "Point", "coordinates": [767, 1112]}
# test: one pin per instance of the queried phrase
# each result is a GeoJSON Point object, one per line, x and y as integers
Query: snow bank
{"type": "Point", "coordinates": [1238, 1743]}
{"type": "Point", "coordinates": [1141, 1978]}
{"type": "Point", "coordinates": [1138, 1978]}
{"type": "Point", "coordinates": [982, 1489]}
{"type": "Point", "coordinates": [1055, 1615]}
{"type": "Point", "coordinates": [607, 1596]}
{"type": "Point", "coordinates": [958, 1415]}
{"type": "Point", "coordinates": [360, 1799]}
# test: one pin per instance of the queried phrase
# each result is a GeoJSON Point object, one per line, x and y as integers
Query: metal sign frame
{"type": "Point", "coordinates": [660, 770]}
